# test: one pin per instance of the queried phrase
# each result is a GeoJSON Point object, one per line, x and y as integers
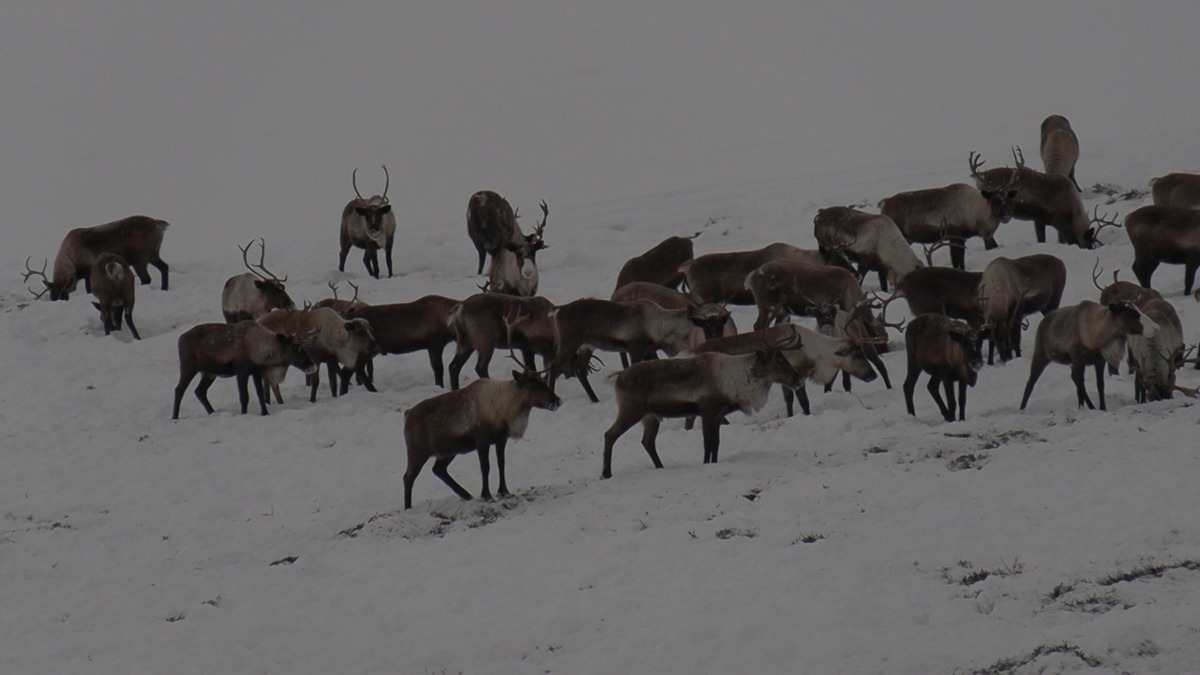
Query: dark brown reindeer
{"type": "Point", "coordinates": [711, 320]}
{"type": "Point", "coordinates": [1176, 189]}
{"type": "Point", "coordinates": [112, 284]}
{"type": "Point", "coordinates": [243, 350]}
{"type": "Point", "coordinates": [478, 324]}
{"type": "Point", "coordinates": [955, 212]}
{"type": "Point", "coordinates": [660, 265]}
{"type": "Point", "coordinates": [491, 223]}
{"type": "Point", "coordinates": [137, 239]}
{"type": "Point", "coordinates": [1047, 200]}
{"type": "Point", "coordinates": [474, 418]}
{"type": "Point", "coordinates": [368, 224]}
{"type": "Point", "coordinates": [1059, 148]}
{"type": "Point", "coordinates": [514, 267]}
{"type": "Point", "coordinates": [720, 278]}
{"type": "Point", "coordinates": [948, 351]}
{"type": "Point", "coordinates": [709, 386]}
{"type": "Point", "coordinates": [252, 294]}
{"type": "Point", "coordinates": [403, 327]}
{"type": "Point", "coordinates": [1086, 334]}
{"type": "Point", "coordinates": [344, 346]}
{"type": "Point", "coordinates": [783, 288]}
{"type": "Point", "coordinates": [1164, 234]}
{"type": "Point", "coordinates": [871, 239]}
{"type": "Point", "coordinates": [1011, 289]}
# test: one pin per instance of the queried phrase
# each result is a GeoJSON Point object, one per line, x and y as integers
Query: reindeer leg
{"type": "Point", "coordinates": [710, 425]}
{"type": "Point", "coordinates": [1189, 273]}
{"type": "Point", "coordinates": [587, 386]}
{"type": "Point", "coordinates": [482, 448]}
{"type": "Point", "coordinates": [259, 391]}
{"type": "Point", "coordinates": [342, 255]}
{"type": "Point", "coordinates": [1143, 269]}
{"type": "Point", "coordinates": [1036, 366]}
{"type": "Point", "coordinates": [910, 387]}
{"type": "Point", "coordinates": [951, 404]}
{"type": "Point", "coordinates": [435, 362]}
{"type": "Point", "coordinates": [367, 255]}
{"type": "Point", "coordinates": [439, 469]}
{"type": "Point", "coordinates": [650, 425]}
{"type": "Point", "coordinates": [482, 257]}
{"type": "Point", "coordinates": [935, 384]}
{"type": "Point", "coordinates": [873, 357]}
{"type": "Point", "coordinates": [461, 354]}
{"type": "Point", "coordinates": [619, 426]}
{"type": "Point", "coordinates": [962, 401]}
{"type": "Point", "coordinates": [1040, 228]}
{"type": "Point", "coordinates": [802, 396]}
{"type": "Point", "coordinates": [206, 381]}
{"type": "Point", "coordinates": [500, 443]}
{"type": "Point", "coordinates": [163, 268]}
{"type": "Point", "coordinates": [185, 378]}
{"type": "Point", "coordinates": [1100, 384]}
{"type": "Point", "coordinates": [410, 476]}
{"type": "Point", "coordinates": [387, 253]}
{"type": "Point", "coordinates": [958, 253]}
{"type": "Point", "coordinates": [243, 380]}
{"type": "Point", "coordinates": [883, 282]}
{"type": "Point", "coordinates": [1080, 392]}
{"type": "Point", "coordinates": [139, 268]}
{"type": "Point", "coordinates": [624, 361]}
{"type": "Point", "coordinates": [129, 320]}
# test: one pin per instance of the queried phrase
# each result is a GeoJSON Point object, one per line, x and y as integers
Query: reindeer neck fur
{"type": "Point", "coordinates": [496, 401]}
{"type": "Point", "coordinates": [816, 360]}
{"type": "Point", "coordinates": [743, 380]}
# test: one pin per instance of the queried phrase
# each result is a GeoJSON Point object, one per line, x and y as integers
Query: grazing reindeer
{"type": "Point", "coordinates": [954, 212]}
{"type": "Point", "coordinates": [1164, 234]}
{"type": "Point", "coordinates": [1048, 199]}
{"type": "Point", "coordinates": [370, 225]}
{"type": "Point", "coordinates": [514, 267]}
{"type": "Point", "coordinates": [782, 288]}
{"type": "Point", "coordinates": [871, 239]}
{"type": "Point", "coordinates": [1086, 334]}
{"type": "Point", "coordinates": [1153, 359]}
{"type": "Point", "coordinates": [244, 350]}
{"type": "Point", "coordinates": [252, 294]}
{"type": "Point", "coordinates": [491, 223]}
{"type": "Point", "coordinates": [835, 322]}
{"type": "Point", "coordinates": [1011, 289]}
{"type": "Point", "coordinates": [708, 385]}
{"type": "Point", "coordinates": [660, 265]}
{"type": "Point", "coordinates": [479, 325]}
{"type": "Point", "coordinates": [476, 417]}
{"type": "Point", "coordinates": [720, 277]}
{"type": "Point", "coordinates": [112, 283]}
{"type": "Point", "coordinates": [948, 350]}
{"type": "Point", "coordinates": [344, 346]}
{"type": "Point", "coordinates": [1060, 148]}
{"type": "Point", "coordinates": [712, 320]}
{"type": "Point", "coordinates": [403, 327]}
{"type": "Point", "coordinates": [638, 328]}
{"type": "Point", "coordinates": [137, 239]}
{"type": "Point", "coordinates": [1176, 189]}
{"type": "Point", "coordinates": [816, 357]}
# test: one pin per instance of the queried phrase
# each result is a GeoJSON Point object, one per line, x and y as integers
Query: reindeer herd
{"type": "Point", "coordinates": [668, 301]}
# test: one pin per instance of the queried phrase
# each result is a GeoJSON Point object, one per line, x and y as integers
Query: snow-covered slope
{"type": "Point", "coordinates": [858, 539]}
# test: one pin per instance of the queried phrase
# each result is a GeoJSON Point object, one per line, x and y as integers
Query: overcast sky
{"type": "Point", "coordinates": [232, 116]}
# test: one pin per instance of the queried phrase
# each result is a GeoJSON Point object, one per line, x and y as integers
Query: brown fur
{"type": "Point", "coordinates": [478, 325]}
{"type": "Point", "coordinates": [514, 267]}
{"type": "Point", "coordinates": [783, 288]}
{"type": "Point", "coordinates": [957, 212]}
{"type": "Point", "coordinates": [1176, 189]}
{"type": "Point", "coordinates": [491, 223]}
{"type": "Point", "coordinates": [1155, 359]}
{"type": "Point", "coordinates": [1011, 289]}
{"type": "Point", "coordinates": [709, 386]}
{"type": "Point", "coordinates": [1164, 234]}
{"type": "Point", "coordinates": [871, 239]}
{"type": "Point", "coordinates": [403, 327]}
{"type": "Point", "coordinates": [246, 296]}
{"type": "Point", "coordinates": [948, 350]}
{"type": "Point", "coordinates": [345, 347]}
{"type": "Point", "coordinates": [112, 284]}
{"type": "Point", "coordinates": [244, 350]}
{"type": "Point", "coordinates": [137, 239]}
{"type": "Point", "coordinates": [720, 277]}
{"type": "Point", "coordinates": [1059, 148]}
{"type": "Point", "coordinates": [474, 418]}
{"type": "Point", "coordinates": [1086, 334]}
{"type": "Point", "coordinates": [660, 265]}
{"type": "Point", "coordinates": [1047, 200]}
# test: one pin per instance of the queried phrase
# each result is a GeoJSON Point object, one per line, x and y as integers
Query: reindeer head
{"type": "Point", "coordinates": [271, 286]}
{"type": "Point", "coordinates": [374, 209]}
{"type": "Point", "coordinates": [1131, 320]}
{"type": "Point", "coordinates": [526, 249]}
{"type": "Point", "coordinates": [999, 190]}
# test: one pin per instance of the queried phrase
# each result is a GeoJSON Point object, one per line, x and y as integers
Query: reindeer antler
{"type": "Point", "coordinates": [1018, 157]}
{"type": "Point", "coordinates": [540, 229]}
{"type": "Point", "coordinates": [1097, 270]}
{"type": "Point", "coordinates": [265, 274]}
{"type": "Point", "coordinates": [354, 182]}
{"type": "Point", "coordinates": [943, 241]}
{"type": "Point", "coordinates": [29, 272]}
{"type": "Point", "coordinates": [387, 180]}
{"type": "Point", "coordinates": [1102, 222]}
{"type": "Point", "coordinates": [882, 307]}
{"type": "Point", "coordinates": [976, 162]}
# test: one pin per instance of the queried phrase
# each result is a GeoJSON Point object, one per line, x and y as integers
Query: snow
{"type": "Point", "coordinates": [858, 539]}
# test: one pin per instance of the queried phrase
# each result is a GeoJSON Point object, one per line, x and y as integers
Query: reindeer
{"type": "Point", "coordinates": [137, 239]}
{"type": "Point", "coordinates": [479, 325]}
{"type": "Point", "coordinates": [1164, 234]}
{"type": "Point", "coordinates": [514, 267]}
{"type": "Point", "coordinates": [708, 385]}
{"type": "Point", "coordinates": [1081, 335]}
{"type": "Point", "coordinates": [344, 346]}
{"type": "Point", "coordinates": [816, 357]}
{"type": "Point", "coordinates": [112, 283]}
{"type": "Point", "coordinates": [1059, 148]}
{"type": "Point", "coordinates": [1122, 291]}
{"type": "Point", "coordinates": [1048, 199]}
{"type": "Point", "coordinates": [942, 290]}
{"type": "Point", "coordinates": [782, 288]}
{"type": "Point", "coordinates": [476, 417]}
{"type": "Point", "coordinates": [1153, 359]}
{"type": "Point", "coordinates": [713, 320]}
{"type": "Point", "coordinates": [252, 294]}
{"type": "Point", "coordinates": [1011, 289]}
{"type": "Point", "coordinates": [720, 277]}
{"type": "Point", "coordinates": [638, 327]}
{"type": "Point", "coordinates": [948, 350]}
{"type": "Point", "coordinates": [400, 328]}
{"type": "Point", "coordinates": [491, 223]}
{"type": "Point", "coordinates": [1176, 189]}
{"type": "Point", "coordinates": [873, 240]}
{"type": "Point", "coordinates": [244, 350]}
{"type": "Point", "coordinates": [835, 322]}
{"type": "Point", "coordinates": [368, 224]}
{"type": "Point", "coordinates": [660, 265]}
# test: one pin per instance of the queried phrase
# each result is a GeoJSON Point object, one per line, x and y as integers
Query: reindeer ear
{"type": "Point", "coordinates": [385, 209]}
{"type": "Point", "coordinates": [350, 326]}
{"type": "Point", "coordinates": [361, 211]}
{"type": "Point", "coordinates": [261, 285]}
{"type": "Point", "coordinates": [517, 375]}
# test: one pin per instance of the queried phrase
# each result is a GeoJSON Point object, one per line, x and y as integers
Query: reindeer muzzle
{"type": "Point", "coordinates": [528, 269]}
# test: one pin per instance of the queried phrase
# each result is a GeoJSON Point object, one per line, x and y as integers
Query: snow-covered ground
{"type": "Point", "coordinates": [858, 539]}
